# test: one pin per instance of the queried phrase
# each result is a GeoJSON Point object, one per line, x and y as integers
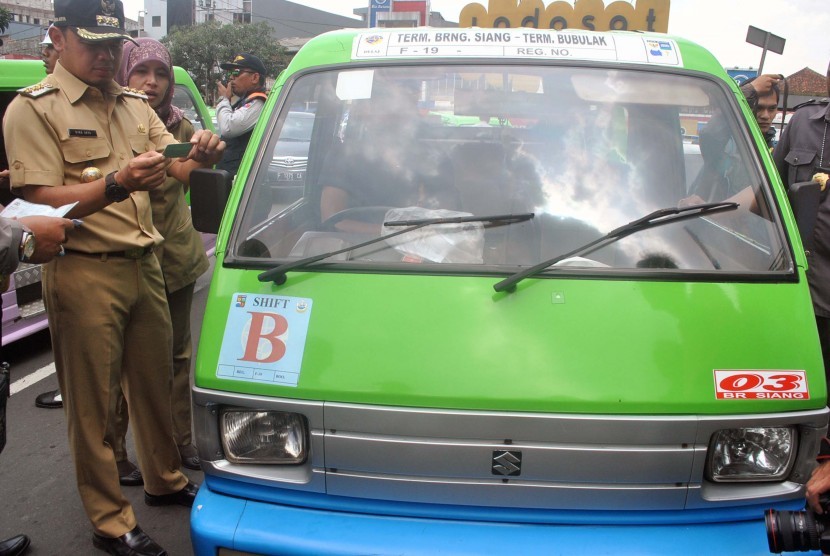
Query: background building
{"type": "Point", "coordinates": [30, 19]}
{"type": "Point", "coordinates": [160, 16]}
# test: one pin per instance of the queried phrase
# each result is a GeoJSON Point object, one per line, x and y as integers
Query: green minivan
{"type": "Point", "coordinates": [564, 330]}
{"type": "Point", "coordinates": [23, 309]}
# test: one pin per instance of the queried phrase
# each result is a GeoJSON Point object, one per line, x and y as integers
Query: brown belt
{"type": "Point", "coordinates": [134, 253]}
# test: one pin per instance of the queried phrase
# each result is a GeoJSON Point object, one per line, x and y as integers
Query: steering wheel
{"type": "Point", "coordinates": [369, 215]}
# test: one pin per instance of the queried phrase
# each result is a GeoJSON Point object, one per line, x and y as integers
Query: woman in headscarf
{"type": "Point", "coordinates": [147, 66]}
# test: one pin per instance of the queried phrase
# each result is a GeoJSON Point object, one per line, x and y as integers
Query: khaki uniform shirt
{"type": "Point", "coordinates": [63, 126]}
{"type": "Point", "coordinates": [182, 255]}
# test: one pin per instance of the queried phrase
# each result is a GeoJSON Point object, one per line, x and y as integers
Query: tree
{"type": "Point", "coordinates": [201, 48]}
{"type": "Point", "coordinates": [5, 21]}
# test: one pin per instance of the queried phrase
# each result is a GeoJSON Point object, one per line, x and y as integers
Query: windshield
{"type": "Point", "coordinates": [585, 150]}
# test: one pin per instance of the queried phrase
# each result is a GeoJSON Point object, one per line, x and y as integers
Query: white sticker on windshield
{"type": "Point", "coordinates": [264, 339]}
{"type": "Point", "coordinates": [516, 43]}
{"type": "Point", "coordinates": [354, 85]}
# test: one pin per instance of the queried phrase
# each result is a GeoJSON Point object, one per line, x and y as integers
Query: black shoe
{"type": "Point", "coordinates": [184, 497]}
{"type": "Point", "coordinates": [189, 456]}
{"type": "Point", "coordinates": [133, 543]}
{"type": "Point", "coordinates": [49, 400]}
{"type": "Point", "coordinates": [128, 474]}
{"type": "Point", "coordinates": [14, 546]}
{"type": "Point", "coordinates": [132, 479]}
{"type": "Point", "coordinates": [192, 462]}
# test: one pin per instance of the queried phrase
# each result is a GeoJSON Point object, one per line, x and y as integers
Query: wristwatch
{"type": "Point", "coordinates": [112, 191]}
{"type": "Point", "coordinates": [27, 247]}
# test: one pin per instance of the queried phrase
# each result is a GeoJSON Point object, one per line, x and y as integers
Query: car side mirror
{"type": "Point", "coordinates": [209, 193]}
{"type": "Point", "coordinates": [805, 198]}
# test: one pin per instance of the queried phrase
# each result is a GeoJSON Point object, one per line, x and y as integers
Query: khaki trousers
{"type": "Point", "coordinates": [109, 322]}
{"type": "Point", "coordinates": [180, 303]}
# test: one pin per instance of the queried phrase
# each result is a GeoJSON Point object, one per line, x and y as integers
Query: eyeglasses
{"type": "Point", "coordinates": [235, 73]}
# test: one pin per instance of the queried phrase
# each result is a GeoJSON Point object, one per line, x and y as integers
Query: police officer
{"type": "Point", "coordinates": [81, 138]}
{"type": "Point", "coordinates": [236, 122]}
{"type": "Point", "coordinates": [48, 54]}
{"type": "Point", "coordinates": [803, 151]}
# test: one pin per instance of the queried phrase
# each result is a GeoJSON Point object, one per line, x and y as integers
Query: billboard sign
{"type": "Point", "coordinates": [375, 7]}
{"type": "Point", "coordinates": [742, 75]}
{"type": "Point", "coordinates": [591, 15]}
{"type": "Point", "coordinates": [420, 7]}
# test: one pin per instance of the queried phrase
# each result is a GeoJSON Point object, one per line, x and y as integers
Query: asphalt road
{"type": "Point", "coordinates": [38, 495]}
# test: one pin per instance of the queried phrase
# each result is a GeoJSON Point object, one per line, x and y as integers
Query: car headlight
{"type": "Point", "coordinates": [752, 454]}
{"type": "Point", "coordinates": [250, 436]}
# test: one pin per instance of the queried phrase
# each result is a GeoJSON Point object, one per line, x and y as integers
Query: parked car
{"type": "Point", "coordinates": [23, 309]}
{"type": "Point", "coordinates": [288, 166]}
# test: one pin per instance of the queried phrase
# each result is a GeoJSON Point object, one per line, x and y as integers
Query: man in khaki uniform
{"type": "Point", "coordinates": [78, 137]}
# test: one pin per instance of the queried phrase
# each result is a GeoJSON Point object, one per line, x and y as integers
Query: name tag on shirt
{"type": "Point", "coordinates": [83, 133]}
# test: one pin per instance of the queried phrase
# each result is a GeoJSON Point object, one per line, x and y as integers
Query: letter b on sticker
{"type": "Point", "coordinates": [264, 344]}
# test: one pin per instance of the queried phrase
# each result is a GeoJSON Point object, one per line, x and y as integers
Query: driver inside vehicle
{"type": "Point", "coordinates": [383, 162]}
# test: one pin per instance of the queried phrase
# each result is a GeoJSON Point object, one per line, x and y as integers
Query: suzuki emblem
{"type": "Point", "coordinates": [507, 463]}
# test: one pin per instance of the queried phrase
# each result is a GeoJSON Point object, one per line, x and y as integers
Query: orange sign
{"type": "Point", "coordinates": [593, 15]}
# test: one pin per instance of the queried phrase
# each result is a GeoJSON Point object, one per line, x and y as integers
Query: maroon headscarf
{"type": "Point", "coordinates": [151, 49]}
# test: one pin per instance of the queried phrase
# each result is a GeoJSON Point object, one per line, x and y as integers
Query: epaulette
{"type": "Point", "coordinates": [134, 93]}
{"type": "Point", "coordinates": [812, 101]}
{"type": "Point", "coordinates": [37, 90]}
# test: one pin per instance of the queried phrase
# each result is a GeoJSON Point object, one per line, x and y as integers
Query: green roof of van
{"type": "Point", "coordinates": [338, 47]}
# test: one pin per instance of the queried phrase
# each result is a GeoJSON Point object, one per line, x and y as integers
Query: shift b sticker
{"type": "Point", "coordinates": [264, 339]}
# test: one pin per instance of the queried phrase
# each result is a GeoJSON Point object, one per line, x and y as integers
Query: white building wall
{"type": "Point", "coordinates": [155, 11]}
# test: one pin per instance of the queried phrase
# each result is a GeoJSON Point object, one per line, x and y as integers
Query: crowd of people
{"type": "Point", "coordinates": [120, 270]}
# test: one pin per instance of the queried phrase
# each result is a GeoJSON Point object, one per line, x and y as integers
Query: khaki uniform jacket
{"type": "Point", "coordinates": [56, 129]}
{"type": "Point", "coordinates": [182, 255]}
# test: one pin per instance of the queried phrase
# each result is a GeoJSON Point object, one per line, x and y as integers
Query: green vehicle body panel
{"type": "Point", "coordinates": [183, 78]}
{"type": "Point", "coordinates": [17, 74]}
{"type": "Point", "coordinates": [533, 350]}
{"type": "Point", "coordinates": [575, 345]}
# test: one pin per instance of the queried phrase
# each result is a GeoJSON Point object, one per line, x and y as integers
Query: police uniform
{"type": "Point", "coordinates": [804, 148]}
{"type": "Point", "coordinates": [105, 299]}
{"type": "Point", "coordinates": [235, 123]}
{"type": "Point", "coordinates": [243, 115]}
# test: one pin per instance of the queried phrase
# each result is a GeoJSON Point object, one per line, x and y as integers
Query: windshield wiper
{"type": "Point", "coordinates": [651, 220]}
{"type": "Point", "coordinates": [277, 274]}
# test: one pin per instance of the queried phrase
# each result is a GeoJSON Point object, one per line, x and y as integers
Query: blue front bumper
{"type": "Point", "coordinates": [221, 521]}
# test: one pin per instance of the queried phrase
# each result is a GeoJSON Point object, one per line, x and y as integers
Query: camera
{"type": "Point", "coordinates": [799, 531]}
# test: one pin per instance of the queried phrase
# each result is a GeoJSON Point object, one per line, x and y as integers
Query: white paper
{"type": "Point", "coordinates": [20, 208]}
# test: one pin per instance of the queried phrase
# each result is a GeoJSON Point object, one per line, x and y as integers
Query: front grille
{"type": "Point", "coordinates": [290, 163]}
{"type": "Point", "coordinates": [513, 460]}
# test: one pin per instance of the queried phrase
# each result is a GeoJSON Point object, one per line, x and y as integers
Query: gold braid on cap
{"type": "Point", "coordinates": [86, 35]}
